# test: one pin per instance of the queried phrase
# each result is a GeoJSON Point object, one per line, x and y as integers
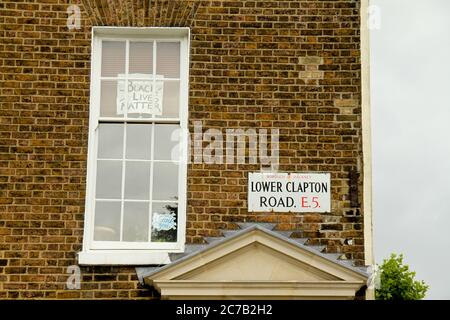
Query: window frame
{"type": "Point", "coordinates": [100, 252]}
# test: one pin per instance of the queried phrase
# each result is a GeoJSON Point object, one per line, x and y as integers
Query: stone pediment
{"type": "Point", "coordinates": [256, 263]}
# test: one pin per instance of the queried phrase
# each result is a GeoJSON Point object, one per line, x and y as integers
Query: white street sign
{"type": "Point", "coordinates": [289, 192]}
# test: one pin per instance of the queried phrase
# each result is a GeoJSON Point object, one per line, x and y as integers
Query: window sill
{"type": "Point", "coordinates": [123, 257]}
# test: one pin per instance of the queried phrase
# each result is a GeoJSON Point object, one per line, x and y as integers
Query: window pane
{"type": "Point", "coordinates": [110, 141]}
{"type": "Point", "coordinates": [135, 221]}
{"type": "Point", "coordinates": [108, 99]}
{"type": "Point", "coordinates": [139, 141]}
{"type": "Point", "coordinates": [168, 59]}
{"type": "Point", "coordinates": [137, 180]}
{"type": "Point", "coordinates": [167, 139]}
{"type": "Point", "coordinates": [113, 58]}
{"type": "Point", "coordinates": [164, 222]}
{"type": "Point", "coordinates": [165, 181]}
{"type": "Point", "coordinates": [171, 99]}
{"type": "Point", "coordinates": [109, 179]}
{"type": "Point", "coordinates": [141, 57]}
{"type": "Point", "coordinates": [107, 221]}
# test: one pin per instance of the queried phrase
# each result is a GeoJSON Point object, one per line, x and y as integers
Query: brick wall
{"type": "Point", "coordinates": [290, 65]}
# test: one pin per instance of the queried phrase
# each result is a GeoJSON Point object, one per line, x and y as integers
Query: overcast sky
{"type": "Point", "coordinates": [410, 79]}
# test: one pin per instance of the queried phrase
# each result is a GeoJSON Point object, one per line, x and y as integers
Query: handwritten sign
{"type": "Point", "coordinates": [164, 221]}
{"type": "Point", "coordinates": [142, 95]}
{"type": "Point", "coordinates": [289, 192]}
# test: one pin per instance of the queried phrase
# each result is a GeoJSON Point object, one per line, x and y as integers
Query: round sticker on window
{"type": "Point", "coordinates": [164, 221]}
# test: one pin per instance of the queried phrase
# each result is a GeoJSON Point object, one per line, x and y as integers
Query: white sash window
{"type": "Point", "coordinates": [136, 184]}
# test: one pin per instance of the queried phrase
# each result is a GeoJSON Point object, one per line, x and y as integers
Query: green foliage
{"type": "Point", "coordinates": [397, 282]}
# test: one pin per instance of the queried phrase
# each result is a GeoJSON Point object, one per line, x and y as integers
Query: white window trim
{"type": "Point", "coordinates": [159, 253]}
